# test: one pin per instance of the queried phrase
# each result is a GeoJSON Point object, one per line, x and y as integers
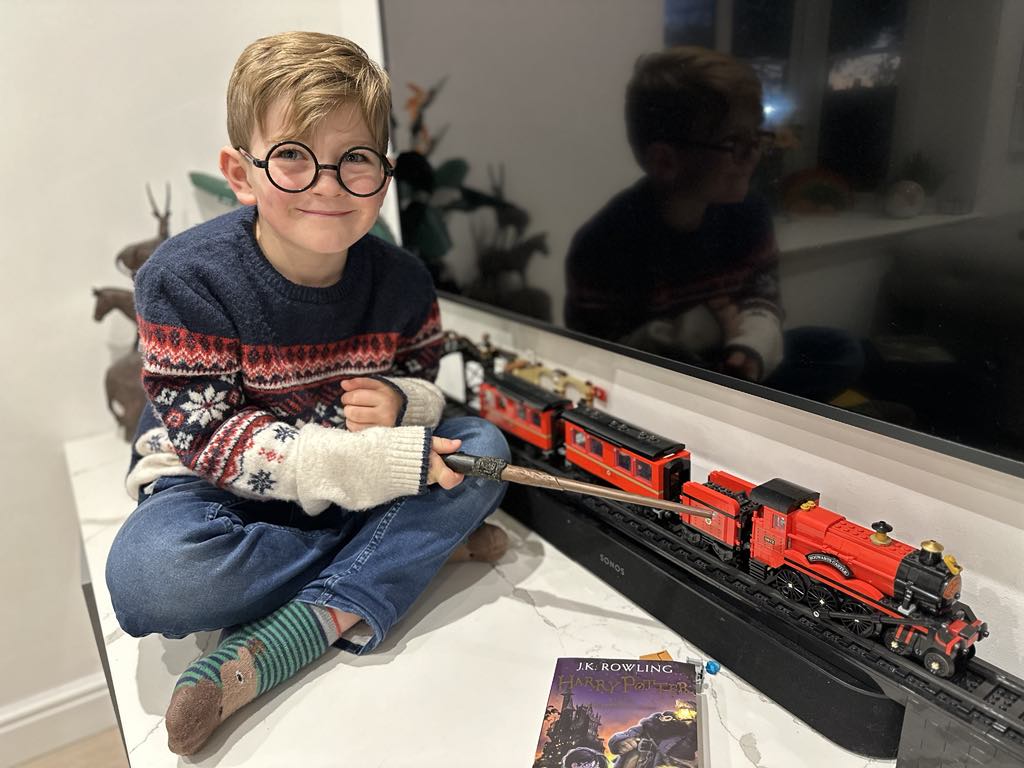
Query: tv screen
{"type": "Point", "coordinates": [820, 202]}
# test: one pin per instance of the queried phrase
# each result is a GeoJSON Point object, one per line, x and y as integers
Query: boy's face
{"type": "Point", "coordinates": [323, 221]}
{"type": "Point", "coordinates": [711, 175]}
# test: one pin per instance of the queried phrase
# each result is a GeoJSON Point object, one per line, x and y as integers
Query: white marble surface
{"type": "Point", "coordinates": [464, 676]}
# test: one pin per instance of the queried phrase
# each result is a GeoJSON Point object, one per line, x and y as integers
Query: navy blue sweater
{"type": "Point", "coordinates": [239, 362]}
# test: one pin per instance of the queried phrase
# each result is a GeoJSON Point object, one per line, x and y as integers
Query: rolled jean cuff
{"type": "Point", "coordinates": [340, 604]}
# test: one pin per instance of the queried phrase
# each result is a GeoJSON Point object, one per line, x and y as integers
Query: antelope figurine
{"type": "Point", "coordinates": [134, 256]}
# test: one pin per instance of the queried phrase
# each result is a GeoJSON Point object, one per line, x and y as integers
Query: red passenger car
{"type": "Point", "coordinates": [625, 455]}
{"type": "Point", "coordinates": [523, 409]}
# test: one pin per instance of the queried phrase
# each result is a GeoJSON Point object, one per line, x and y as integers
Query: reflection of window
{"type": "Point", "coordinates": [865, 43]}
{"type": "Point", "coordinates": [847, 127]}
{"type": "Point", "coordinates": [578, 438]}
{"type": "Point", "coordinates": [690, 22]}
{"type": "Point", "coordinates": [643, 470]}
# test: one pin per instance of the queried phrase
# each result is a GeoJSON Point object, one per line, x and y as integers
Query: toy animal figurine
{"type": "Point", "coordinates": [494, 261]}
{"type": "Point", "coordinates": [125, 396]}
{"type": "Point", "coordinates": [109, 299]}
{"type": "Point", "coordinates": [134, 256]}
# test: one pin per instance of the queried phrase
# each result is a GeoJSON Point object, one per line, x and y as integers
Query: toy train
{"type": "Point", "coordinates": [777, 531]}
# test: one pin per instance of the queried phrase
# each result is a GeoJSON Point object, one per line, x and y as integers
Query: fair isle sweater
{"type": "Point", "coordinates": [243, 370]}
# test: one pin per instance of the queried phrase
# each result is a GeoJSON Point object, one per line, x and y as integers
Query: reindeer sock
{"type": "Point", "coordinates": [249, 662]}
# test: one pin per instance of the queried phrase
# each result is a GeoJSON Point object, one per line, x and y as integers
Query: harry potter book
{"type": "Point", "coordinates": [623, 713]}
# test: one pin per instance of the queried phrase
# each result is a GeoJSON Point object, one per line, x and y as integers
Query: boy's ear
{"type": "Point", "coordinates": [235, 169]}
{"type": "Point", "coordinates": [662, 162]}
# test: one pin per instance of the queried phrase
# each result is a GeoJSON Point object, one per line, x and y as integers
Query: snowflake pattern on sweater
{"type": "Point", "coordinates": [244, 368]}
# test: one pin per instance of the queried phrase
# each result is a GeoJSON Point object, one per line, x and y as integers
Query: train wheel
{"type": "Point", "coordinates": [858, 619]}
{"type": "Point", "coordinates": [938, 664]}
{"type": "Point", "coordinates": [894, 645]}
{"type": "Point", "coordinates": [791, 584]}
{"type": "Point", "coordinates": [821, 599]}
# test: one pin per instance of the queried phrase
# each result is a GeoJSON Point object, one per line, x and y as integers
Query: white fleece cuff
{"type": "Point", "coordinates": [359, 470]}
{"type": "Point", "coordinates": [424, 401]}
{"type": "Point", "coordinates": [761, 332]}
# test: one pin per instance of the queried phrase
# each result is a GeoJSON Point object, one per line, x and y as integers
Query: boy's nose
{"type": "Point", "coordinates": [334, 184]}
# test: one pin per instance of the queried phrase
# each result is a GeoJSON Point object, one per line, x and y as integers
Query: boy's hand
{"type": "Point", "coordinates": [369, 403]}
{"type": "Point", "coordinates": [438, 472]}
{"type": "Point", "coordinates": [745, 366]}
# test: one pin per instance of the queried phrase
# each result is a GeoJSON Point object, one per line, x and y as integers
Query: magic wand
{"type": "Point", "coordinates": [493, 468]}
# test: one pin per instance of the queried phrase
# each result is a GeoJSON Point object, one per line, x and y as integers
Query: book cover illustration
{"type": "Point", "coordinates": [622, 713]}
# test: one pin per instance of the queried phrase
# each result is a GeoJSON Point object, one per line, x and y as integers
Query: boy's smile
{"type": "Point", "coordinates": [306, 235]}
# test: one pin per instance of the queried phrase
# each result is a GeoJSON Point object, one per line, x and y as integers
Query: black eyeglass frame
{"type": "Point", "coordinates": [336, 167]}
{"type": "Point", "coordinates": [763, 138]}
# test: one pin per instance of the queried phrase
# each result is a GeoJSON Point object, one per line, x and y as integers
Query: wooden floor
{"type": "Point", "coordinates": [103, 750]}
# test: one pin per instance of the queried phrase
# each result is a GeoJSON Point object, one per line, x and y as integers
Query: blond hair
{"type": "Point", "coordinates": [315, 74]}
{"type": "Point", "coordinates": [686, 93]}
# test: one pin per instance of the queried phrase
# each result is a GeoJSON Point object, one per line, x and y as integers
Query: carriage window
{"type": "Point", "coordinates": [521, 411]}
{"type": "Point", "coordinates": [578, 438]}
{"type": "Point", "coordinates": [501, 402]}
{"type": "Point", "coordinates": [623, 461]}
{"type": "Point", "coordinates": [643, 470]}
{"type": "Point", "coordinates": [780, 522]}
{"type": "Point", "coordinates": [596, 447]}
{"type": "Point", "coordinates": [489, 397]}
{"type": "Point", "coordinates": [535, 417]}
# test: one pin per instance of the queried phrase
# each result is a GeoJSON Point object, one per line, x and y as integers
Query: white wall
{"type": "Point", "coordinates": [99, 99]}
{"type": "Point", "coordinates": [975, 512]}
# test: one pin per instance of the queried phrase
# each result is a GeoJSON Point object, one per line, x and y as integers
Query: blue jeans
{"type": "Point", "coordinates": [193, 557]}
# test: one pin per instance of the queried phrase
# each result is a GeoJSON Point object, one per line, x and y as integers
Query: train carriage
{"type": "Point", "coordinates": [523, 409]}
{"type": "Point", "coordinates": [625, 455]}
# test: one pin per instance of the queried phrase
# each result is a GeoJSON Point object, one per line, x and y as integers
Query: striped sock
{"type": "Point", "coordinates": [249, 662]}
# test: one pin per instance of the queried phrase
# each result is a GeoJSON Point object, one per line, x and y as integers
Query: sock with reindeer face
{"type": "Point", "coordinates": [249, 662]}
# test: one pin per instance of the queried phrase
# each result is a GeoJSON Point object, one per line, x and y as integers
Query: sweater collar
{"type": "Point", "coordinates": [256, 260]}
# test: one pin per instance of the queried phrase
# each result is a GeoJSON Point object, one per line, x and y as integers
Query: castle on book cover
{"type": "Point", "coordinates": [625, 713]}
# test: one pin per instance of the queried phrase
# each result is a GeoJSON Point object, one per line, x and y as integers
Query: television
{"type": "Point", "coordinates": [885, 197]}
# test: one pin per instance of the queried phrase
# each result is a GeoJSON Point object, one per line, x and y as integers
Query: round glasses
{"type": "Point", "coordinates": [291, 166]}
{"type": "Point", "coordinates": [740, 147]}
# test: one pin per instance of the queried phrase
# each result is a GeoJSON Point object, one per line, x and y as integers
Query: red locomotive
{"type": "Point", "coordinates": [873, 584]}
{"type": "Point", "coordinates": [777, 531]}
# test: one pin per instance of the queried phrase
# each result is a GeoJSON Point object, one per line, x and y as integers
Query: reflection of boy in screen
{"type": "Point", "coordinates": [684, 263]}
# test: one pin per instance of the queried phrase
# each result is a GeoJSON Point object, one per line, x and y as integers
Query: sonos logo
{"type": "Point", "coordinates": [613, 565]}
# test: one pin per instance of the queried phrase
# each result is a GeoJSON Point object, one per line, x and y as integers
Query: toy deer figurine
{"type": "Point", "coordinates": [134, 256]}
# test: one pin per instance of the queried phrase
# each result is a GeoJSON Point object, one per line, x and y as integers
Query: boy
{"type": "Point", "coordinates": [289, 470]}
{"type": "Point", "coordinates": [684, 263]}
{"type": "Point", "coordinates": [694, 253]}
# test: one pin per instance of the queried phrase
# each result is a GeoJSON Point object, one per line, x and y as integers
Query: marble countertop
{"type": "Point", "coordinates": [461, 681]}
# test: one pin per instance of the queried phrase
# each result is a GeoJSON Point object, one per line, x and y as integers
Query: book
{"type": "Point", "coordinates": [623, 713]}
